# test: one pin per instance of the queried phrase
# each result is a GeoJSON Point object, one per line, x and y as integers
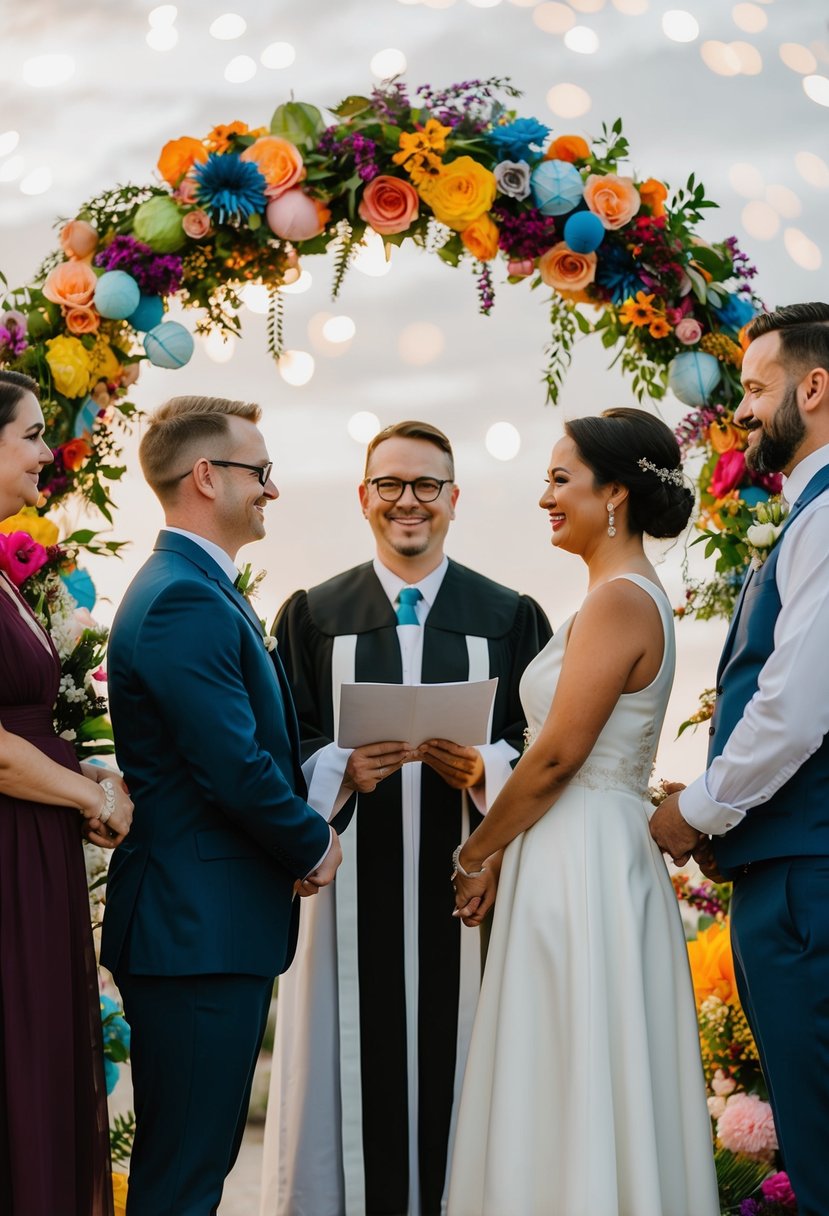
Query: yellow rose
{"type": "Point", "coordinates": [481, 238]}
{"type": "Point", "coordinates": [120, 1186]}
{"type": "Point", "coordinates": [712, 965]}
{"type": "Point", "coordinates": [38, 527]}
{"type": "Point", "coordinates": [103, 362]}
{"type": "Point", "coordinates": [461, 193]}
{"type": "Point", "coordinates": [68, 361]}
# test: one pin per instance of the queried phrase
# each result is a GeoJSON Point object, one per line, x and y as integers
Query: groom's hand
{"type": "Point", "coordinates": [324, 873]}
{"type": "Point", "coordinates": [671, 833]}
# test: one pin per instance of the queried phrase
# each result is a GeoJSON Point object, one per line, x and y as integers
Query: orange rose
{"type": "Point", "coordinates": [653, 195]}
{"type": "Point", "coordinates": [72, 284]}
{"type": "Point", "coordinates": [278, 160]}
{"type": "Point", "coordinates": [481, 238]}
{"type": "Point", "coordinates": [615, 200]}
{"type": "Point", "coordinates": [178, 157]}
{"type": "Point", "coordinates": [723, 437]}
{"type": "Point", "coordinates": [79, 239]}
{"type": "Point", "coordinates": [389, 205]}
{"type": "Point", "coordinates": [712, 965]}
{"type": "Point", "coordinates": [568, 147]}
{"type": "Point", "coordinates": [82, 320]}
{"type": "Point", "coordinates": [75, 454]}
{"type": "Point", "coordinates": [564, 270]}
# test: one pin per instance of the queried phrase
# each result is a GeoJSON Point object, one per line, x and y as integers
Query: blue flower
{"type": "Point", "coordinates": [515, 140]}
{"type": "Point", "coordinates": [734, 313]}
{"type": "Point", "coordinates": [230, 188]}
{"type": "Point", "coordinates": [616, 272]}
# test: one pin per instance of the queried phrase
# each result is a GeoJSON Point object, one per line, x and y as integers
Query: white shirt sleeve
{"type": "Point", "coordinates": [324, 773]}
{"type": "Point", "coordinates": [497, 767]}
{"type": "Point", "coordinates": [787, 718]}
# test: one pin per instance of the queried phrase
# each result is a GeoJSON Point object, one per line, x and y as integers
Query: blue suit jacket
{"type": "Point", "coordinates": [207, 736]}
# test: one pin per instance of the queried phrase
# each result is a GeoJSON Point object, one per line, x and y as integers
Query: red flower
{"type": "Point", "coordinates": [20, 556]}
{"type": "Point", "coordinates": [729, 471]}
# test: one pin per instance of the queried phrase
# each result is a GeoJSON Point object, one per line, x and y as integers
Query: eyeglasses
{"type": "Point", "coordinates": [262, 471]}
{"type": "Point", "coordinates": [425, 489]}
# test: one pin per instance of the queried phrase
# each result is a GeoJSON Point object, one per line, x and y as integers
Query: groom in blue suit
{"type": "Point", "coordinates": [764, 799]}
{"type": "Point", "coordinates": [200, 912]}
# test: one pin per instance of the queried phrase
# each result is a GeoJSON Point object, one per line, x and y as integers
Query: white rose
{"type": "Point", "coordinates": [762, 536]}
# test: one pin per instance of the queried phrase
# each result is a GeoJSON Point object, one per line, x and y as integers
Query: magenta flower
{"type": "Point", "coordinates": [729, 471]}
{"type": "Point", "coordinates": [778, 1189]}
{"type": "Point", "coordinates": [20, 556]}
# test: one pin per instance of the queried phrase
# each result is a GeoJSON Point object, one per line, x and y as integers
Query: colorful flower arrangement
{"type": "Point", "coordinates": [745, 1137]}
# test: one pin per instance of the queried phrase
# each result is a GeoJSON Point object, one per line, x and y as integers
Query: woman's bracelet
{"type": "Point", "coordinates": [108, 790]}
{"type": "Point", "coordinates": [457, 868]}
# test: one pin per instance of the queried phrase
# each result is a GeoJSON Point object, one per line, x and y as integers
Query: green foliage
{"type": "Point", "coordinates": [737, 1177]}
{"type": "Point", "coordinates": [121, 1137]}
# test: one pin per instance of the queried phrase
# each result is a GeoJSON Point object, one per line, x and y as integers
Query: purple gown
{"type": "Point", "coordinates": [54, 1133]}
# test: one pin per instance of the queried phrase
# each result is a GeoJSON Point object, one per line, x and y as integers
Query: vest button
{"type": "Point", "coordinates": [710, 730]}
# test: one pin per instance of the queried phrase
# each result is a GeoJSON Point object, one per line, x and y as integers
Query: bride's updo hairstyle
{"type": "Point", "coordinates": [640, 452]}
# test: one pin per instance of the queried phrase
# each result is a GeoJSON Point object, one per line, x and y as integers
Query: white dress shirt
{"type": "Point", "coordinates": [787, 719]}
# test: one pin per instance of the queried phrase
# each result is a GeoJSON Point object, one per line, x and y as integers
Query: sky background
{"type": "Point", "coordinates": [756, 136]}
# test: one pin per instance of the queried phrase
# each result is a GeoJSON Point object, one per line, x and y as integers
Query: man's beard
{"type": "Point", "coordinates": [779, 439]}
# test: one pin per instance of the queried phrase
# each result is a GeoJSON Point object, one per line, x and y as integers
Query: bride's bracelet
{"type": "Point", "coordinates": [457, 868]}
{"type": "Point", "coordinates": [108, 790]}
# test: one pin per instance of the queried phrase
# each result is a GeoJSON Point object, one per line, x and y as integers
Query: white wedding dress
{"type": "Point", "coordinates": [583, 1093]}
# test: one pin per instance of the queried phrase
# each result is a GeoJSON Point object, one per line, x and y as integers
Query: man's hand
{"type": "Point", "coordinates": [475, 896]}
{"type": "Point", "coordinates": [324, 873]}
{"type": "Point", "coordinates": [672, 833]}
{"type": "Point", "coordinates": [704, 857]}
{"type": "Point", "coordinates": [460, 767]}
{"type": "Point", "coordinates": [369, 765]}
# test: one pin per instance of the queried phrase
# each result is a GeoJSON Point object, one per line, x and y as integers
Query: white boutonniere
{"type": "Point", "coordinates": [268, 639]}
{"type": "Point", "coordinates": [247, 582]}
{"type": "Point", "coordinates": [764, 533]}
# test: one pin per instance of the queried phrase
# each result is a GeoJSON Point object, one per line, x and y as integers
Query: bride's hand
{"type": "Point", "coordinates": [475, 896]}
{"type": "Point", "coordinates": [108, 835]}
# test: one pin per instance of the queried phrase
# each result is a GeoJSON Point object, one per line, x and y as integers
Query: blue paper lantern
{"type": "Point", "coordinates": [168, 345]}
{"type": "Point", "coordinates": [116, 295]}
{"type": "Point", "coordinates": [148, 314]}
{"type": "Point", "coordinates": [85, 419]}
{"type": "Point", "coordinates": [754, 494]}
{"type": "Point", "coordinates": [557, 187]}
{"type": "Point", "coordinates": [584, 232]}
{"type": "Point", "coordinates": [81, 587]}
{"type": "Point", "coordinates": [693, 376]}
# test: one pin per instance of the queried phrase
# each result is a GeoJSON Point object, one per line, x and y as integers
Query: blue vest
{"type": "Point", "coordinates": [795, 821]}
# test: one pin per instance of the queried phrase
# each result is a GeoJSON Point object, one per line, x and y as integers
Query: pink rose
{"type": "Point", "coordinates": [20, 556]}
{"type": "Point", "coordinates": [778, 1189]}
{"type": "Point", "coordinates": [295, 216]}
{"type": "Point", "coordinates": [129, 374]}
{"type": "Point", "coordinates": [688, 331]}
{"type": "Point", "coordinates": [196, 224]}
{"type": "Point", "coordinates": [187, 191]}
{"type": "Point", "coordinates": [78, 239]}
{"type": "Point", "coordinates": [520, 268]}
{"type": "Point", "coordinates": [565, 270]}
{"type": "Point", "coordinates": [615, 200]}
{"type": "Point", "coordinates": [729, 471]}
{"type": "Point", "coordinates": [747, 1126]}
{"type": "Point", "coordinates": [723, 1085]}
{"type": "Point", "coordinates": [389, 204]}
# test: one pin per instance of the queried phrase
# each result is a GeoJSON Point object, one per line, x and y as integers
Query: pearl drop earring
{"type": "Point", "coordinates": [611, 519]}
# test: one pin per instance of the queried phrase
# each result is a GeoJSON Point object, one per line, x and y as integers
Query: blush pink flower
{"type": "Point", "coordinates": [688, 331]}
{"type": "Point", "coordinates": [747, 1126]}
{"type": "Point", "coordinates": [196, 224]}
{"type": "Point", "coordinates": [20, 556]}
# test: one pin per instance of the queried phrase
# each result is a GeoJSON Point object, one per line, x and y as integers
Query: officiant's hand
{"type": "Point", "coordinates": [460, 767]}
{"type": "Point", "coordinates": [369, 765]}
{"type": "Point", "coordinates": [671, 832]}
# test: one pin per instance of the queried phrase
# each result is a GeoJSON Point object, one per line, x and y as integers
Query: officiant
{"type": "Point", "coordinates": [374, 1016]}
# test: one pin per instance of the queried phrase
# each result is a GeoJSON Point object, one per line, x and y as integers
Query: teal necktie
{"type": "Point", "coordinates": [406, 601]}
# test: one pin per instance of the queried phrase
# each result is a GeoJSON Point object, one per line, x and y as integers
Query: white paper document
{"type": "Point", "coordinates": [413, 713]}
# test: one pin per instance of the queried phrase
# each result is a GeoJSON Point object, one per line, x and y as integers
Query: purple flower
{"type": "Point", "coordinates": [525, 235]}
{"type": "Point", "coordinates": [13, 340]}
{"type": "Point", "coordinates": [486, 292]}
{"type": "Point", "coordinates": [156, 274]}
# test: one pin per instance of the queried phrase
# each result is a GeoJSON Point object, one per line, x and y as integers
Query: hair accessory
{"type": "Point", "coordinates": [672, 475]}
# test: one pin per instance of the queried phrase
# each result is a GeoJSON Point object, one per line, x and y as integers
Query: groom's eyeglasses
{"type": "Point", "coordinates": [425, 489]}
{"type": "Point", "coordinates": [262, 471]}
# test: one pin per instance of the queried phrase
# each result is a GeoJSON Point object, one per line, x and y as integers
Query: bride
{"type": "Point", "coordinates": [583, 1093]}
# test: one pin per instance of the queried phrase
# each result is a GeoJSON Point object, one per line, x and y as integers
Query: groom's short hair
{"type": "Point", "coordinates": [804, 334]}
{"type": "Point", "coordinates": [178, 432]}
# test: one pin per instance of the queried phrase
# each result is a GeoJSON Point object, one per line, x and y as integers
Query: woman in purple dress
{"type": "Point", "coordinates": [54, 1133]}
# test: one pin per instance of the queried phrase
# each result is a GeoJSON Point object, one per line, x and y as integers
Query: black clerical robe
{"type": "Point", "coordinates": [382, 962]}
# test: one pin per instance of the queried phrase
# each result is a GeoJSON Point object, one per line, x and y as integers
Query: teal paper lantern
{"type": "Point", "coordinates": [584, 232]}
{"type": "Point", "coordinates": [693, 376]}
{"type": "Point", "coordinates": [116, 295]}
{"type": "Point", "coordinates": [557, 187]}
{"type": "Point", "coordinates": [168, 345]}
{"type": "Point", "coordinates": [148, 314]}
{"type": "Point", "coordinates": [81, 587]}
{"type": "Point", "coordinates": [86, 417]}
